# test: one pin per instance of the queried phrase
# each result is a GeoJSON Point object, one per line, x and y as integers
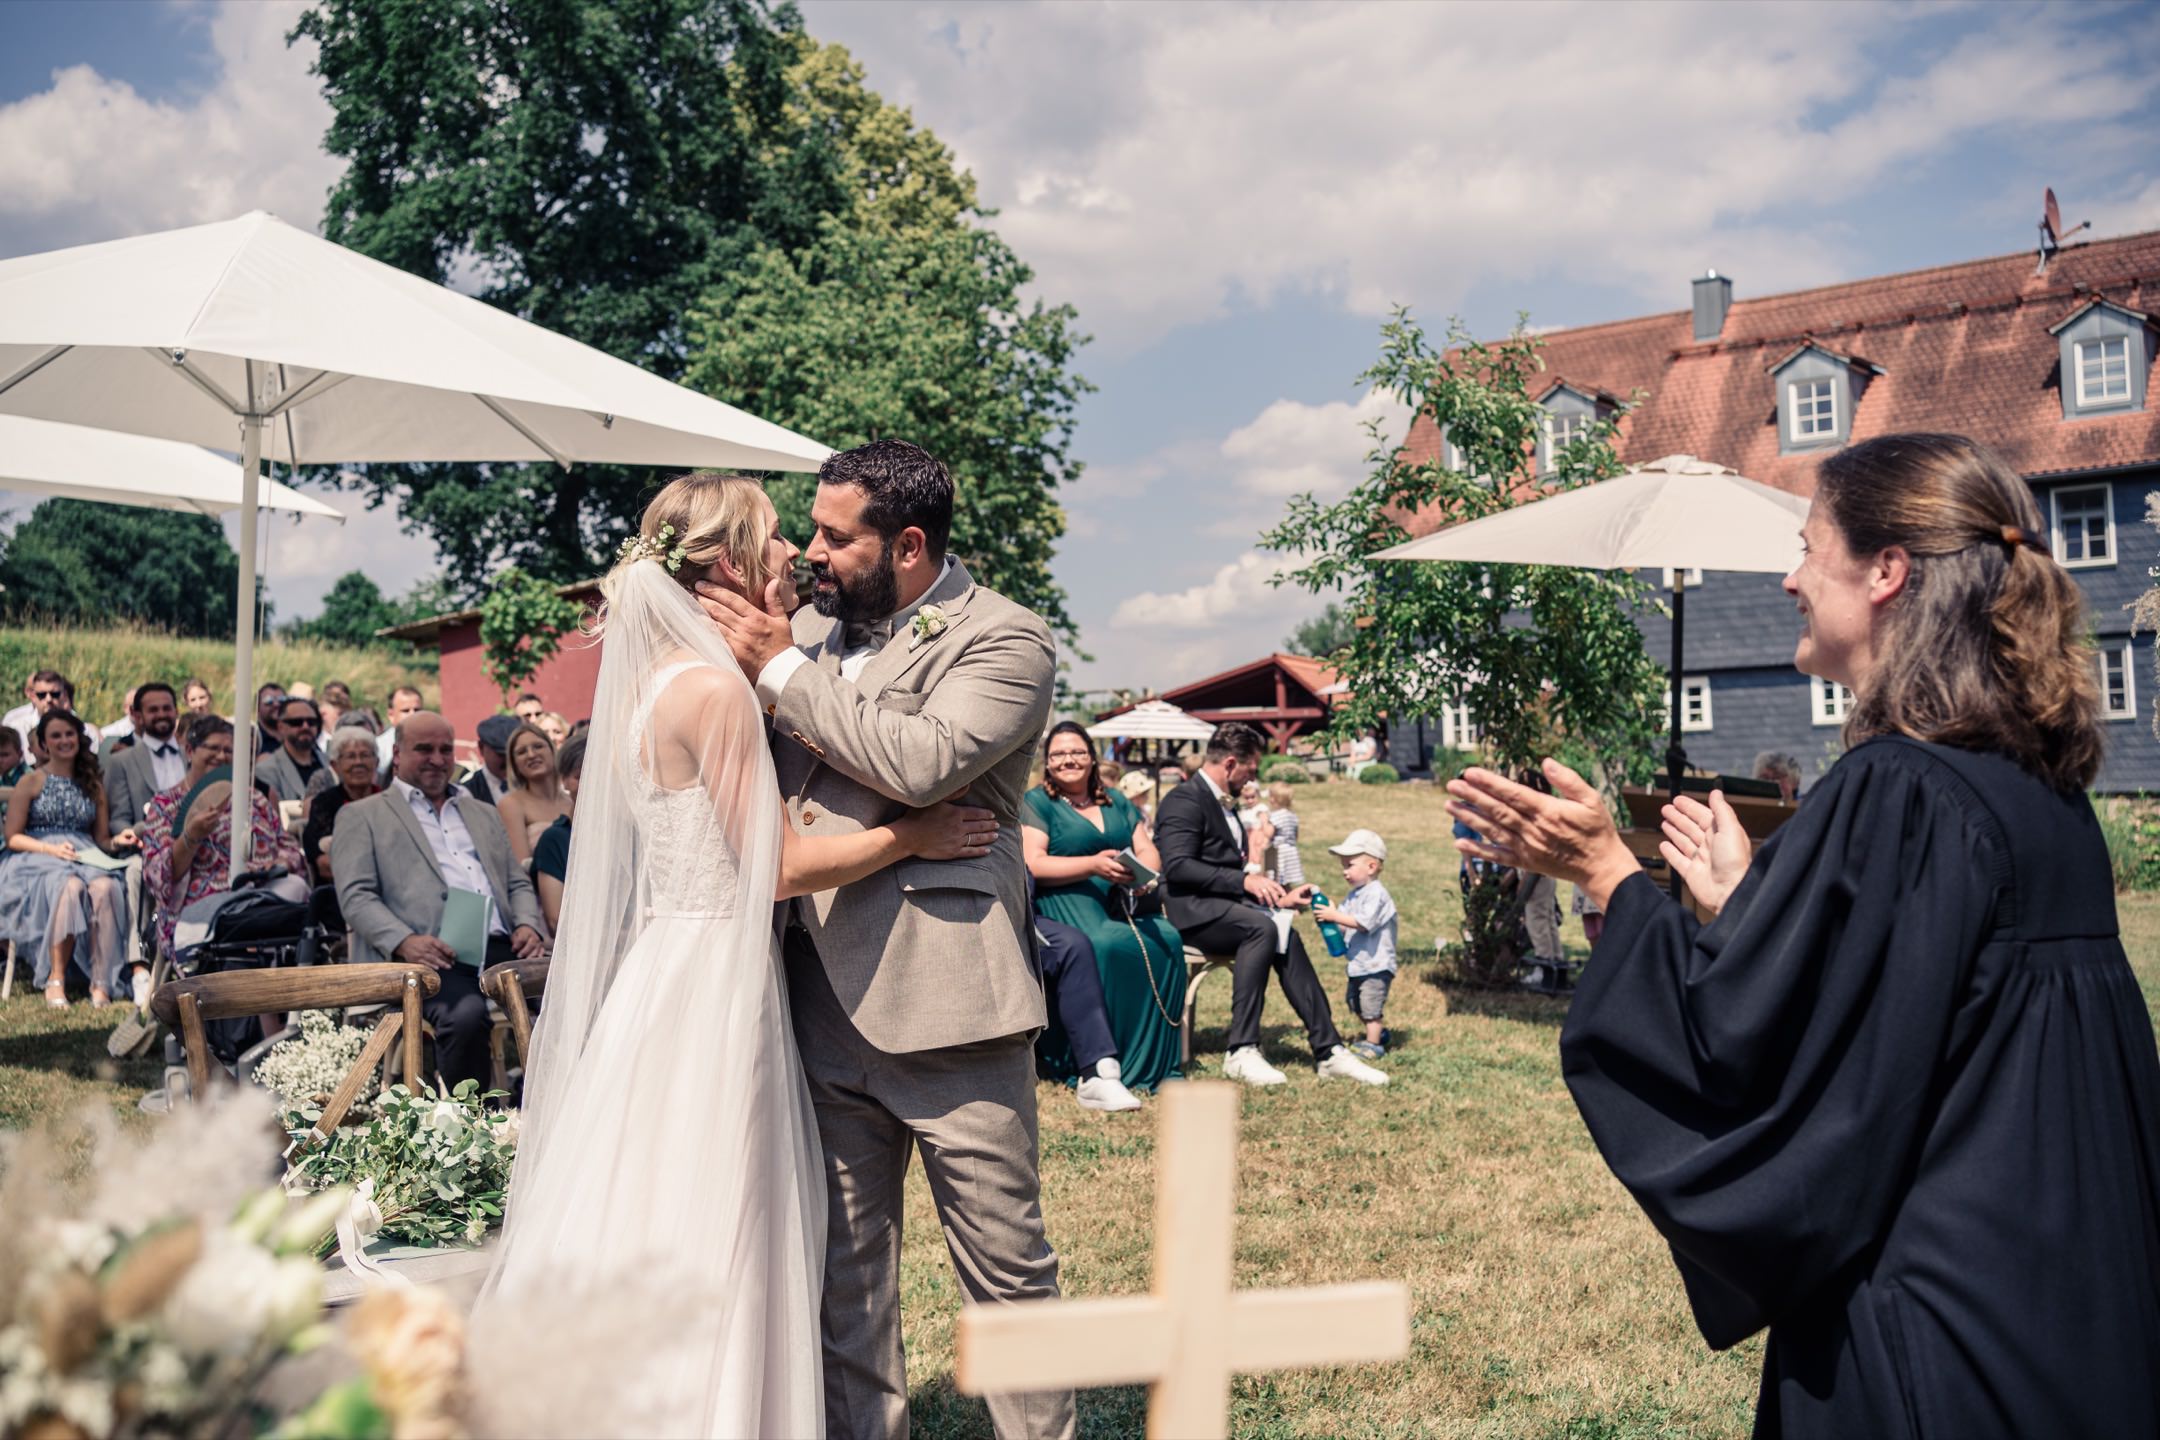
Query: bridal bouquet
{"type": "Point", "coordinates": [439, 1163]}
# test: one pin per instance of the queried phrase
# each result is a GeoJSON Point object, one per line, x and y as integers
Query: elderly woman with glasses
{"type": "Point", "coordinates": [352, 764]}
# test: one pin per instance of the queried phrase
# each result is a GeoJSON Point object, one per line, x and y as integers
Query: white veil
{"type": "Point", "coordinates": [649, 625]}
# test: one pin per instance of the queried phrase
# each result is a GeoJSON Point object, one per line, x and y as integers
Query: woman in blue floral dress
{"type": "Point", "coordinates": [53, 904]}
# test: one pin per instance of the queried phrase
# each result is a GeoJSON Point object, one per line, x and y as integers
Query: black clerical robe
{"type": "Point", "coordinates": [1900, 1103]}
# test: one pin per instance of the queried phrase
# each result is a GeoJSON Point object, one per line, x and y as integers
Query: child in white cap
{"type": "Point", "coordinates": [1367, 917]}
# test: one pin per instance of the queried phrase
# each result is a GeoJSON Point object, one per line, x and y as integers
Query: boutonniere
{"type": "Point", "coordinates": [929, 623]}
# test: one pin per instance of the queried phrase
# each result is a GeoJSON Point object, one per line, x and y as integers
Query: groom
{"type": "Point", "coordinates": [914, 993]}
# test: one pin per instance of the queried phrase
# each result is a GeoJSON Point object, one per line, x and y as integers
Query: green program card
{"type": "Point", "coordinates": [465, 926]}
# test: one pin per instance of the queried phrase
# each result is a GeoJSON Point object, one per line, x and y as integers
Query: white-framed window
{"type": "Point", "coordinates": [1813, 408]}
{"type": "Point", "coordinates": [2084, 525]}
{"type": "Point", "coordinates": [1458, 730]}
{"type": "Point", "coordinates": [2118, 681]}
{"type": "Point", "coordinates": [1562, 431]}
{"type": "Point", "coordinates": [1694, 702]}
{"type": "Point", "coordinates": [2103, 370]}
{"type": "Point", "coordinates": [1830, 701]}
{"type": "Point", "coordinates": [1694, 577]}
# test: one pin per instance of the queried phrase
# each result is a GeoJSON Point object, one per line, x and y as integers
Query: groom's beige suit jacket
{"type": "Point", "coordinates": [924, 954]}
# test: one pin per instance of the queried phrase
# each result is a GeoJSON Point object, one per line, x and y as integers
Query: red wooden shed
{"type": "Point", "coordinates": [565, 684]}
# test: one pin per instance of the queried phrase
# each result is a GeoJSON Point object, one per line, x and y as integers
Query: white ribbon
{"type": "Point", "coordinates": [359, 1222]}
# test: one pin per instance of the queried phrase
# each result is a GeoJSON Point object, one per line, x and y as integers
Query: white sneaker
{"type": "Point", "coordinates": [1245, 1063]}
{"type": "Point", "coordinates": [1341, 1064]}
{"type": "Point", "coordinates": [1105, 1090]}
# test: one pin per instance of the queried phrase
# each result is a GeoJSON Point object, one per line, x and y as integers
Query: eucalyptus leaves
{"type": "Point", "coordinates": [440, 1163]}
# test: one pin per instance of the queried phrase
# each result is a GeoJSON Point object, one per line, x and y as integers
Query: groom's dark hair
{"type": "Point", "coordinates": [902, 485]}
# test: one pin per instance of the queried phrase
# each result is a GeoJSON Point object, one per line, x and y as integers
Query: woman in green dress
{"type": "Point", "coordinates": [1072, 829]}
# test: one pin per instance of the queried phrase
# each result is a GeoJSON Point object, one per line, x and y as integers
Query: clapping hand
{"type": "Point", "coordinates": [1568, 834]}
{"type": "Point", "coordinates": [1706, 847]}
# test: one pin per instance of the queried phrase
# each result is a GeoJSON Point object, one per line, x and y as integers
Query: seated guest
{"type": "Point", "coordinates": [52, 904]}
{"type": "Point", "coordinates": [120, 734]}
{"type": "Point", "coordinates": [1222, 903]}
{"type": "Point", "coordinates": [404, 701]}
{"type": "Point", "coordinates": [47, 690]}
{"type": "Point", "coordinates": [352, 765]}
{"type": "Point", "coordinates": [1139, 788]}
{"type": "Point", "coordinates": [1073, 829]}
{"type": "Point", "coordinates": [268, 698]}
{"type": "Point", "coordinates": [12, 764]}
{"type": "Point", "coordinates": [195, 696]}
{"type": "Point", "coordinates": [551, 852]}
{"type": "Point", "coordinates": [535, 799]}
{"type": "Point", "coordinates": [491, 781]}
{"type": "Point", "coordinates": [181, 866]}
{"type": "Point", "coordinates": [133, 778]}
{"type": "Point", "coordinates": [1077, 1039]}
{"type": "Point", "coordinates": [336, 703]}
{"type": "Point", "coordinates": [298, 758]}
{"type": "Point", "coordinates": [1780, 770]}
{"type": "Point", "coordinates": [557, 728]}
{"type": "Point", "coordinates": [528, 707]}
{"type": "Point", "coordinates": [397, 856]}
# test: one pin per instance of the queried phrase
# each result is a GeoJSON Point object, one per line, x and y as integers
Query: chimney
{"type": "Point", "coordinates": [1713, 297]}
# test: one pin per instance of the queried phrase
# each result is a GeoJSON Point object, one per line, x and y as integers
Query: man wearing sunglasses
{"type": "Point", "coordinates": [46, 690]}
{"type": "Point", "coordinates": [298, 758]}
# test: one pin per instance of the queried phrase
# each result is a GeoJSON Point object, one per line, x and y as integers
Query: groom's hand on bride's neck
{"type": "Point", "coordinates": [756, 634]}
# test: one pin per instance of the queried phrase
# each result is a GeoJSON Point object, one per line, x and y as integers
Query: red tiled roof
{"type": "Point", "coordinates": [1962, 348]}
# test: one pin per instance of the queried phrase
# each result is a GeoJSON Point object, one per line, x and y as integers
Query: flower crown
{"type": "Point", "coordinates": [637, 547]}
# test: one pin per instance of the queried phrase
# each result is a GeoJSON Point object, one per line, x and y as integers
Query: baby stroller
{"type": "Point", "coordinates": [269, 918]}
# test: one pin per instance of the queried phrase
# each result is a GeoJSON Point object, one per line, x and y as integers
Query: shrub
{"type": "Point", "coordinates": [2131, 826]}
{"type": "Point", "coordinates": [1287, 772]}
{"type": "Point", "coordinates": [1378, 773]}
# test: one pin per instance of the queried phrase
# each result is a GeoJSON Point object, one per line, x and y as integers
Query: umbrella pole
{"type": "Point", "coordinates": [243, 804]}
{"type": "Point", "coordinates": [1675, 758]}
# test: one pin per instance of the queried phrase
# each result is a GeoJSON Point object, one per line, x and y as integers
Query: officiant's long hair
{"type": "Point", "coordinates": [1988, 646]}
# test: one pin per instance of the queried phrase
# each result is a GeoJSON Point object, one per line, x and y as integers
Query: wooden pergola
{"type": "Point", "coordinates": [1282, 696]}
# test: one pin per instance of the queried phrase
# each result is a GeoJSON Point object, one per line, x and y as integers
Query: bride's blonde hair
{"type": "Point", "coordinates": [694, 521]}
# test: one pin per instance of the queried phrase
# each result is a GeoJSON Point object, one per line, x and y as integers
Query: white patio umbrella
{"type": "Point", "coordinates": [43, 457]}
{"type": "Point", "coordinates": [1678, 512]}
{"type": "Point", "coordinates": [1152, 720]}
{"type": "Point", "coordinates": [222, 334]}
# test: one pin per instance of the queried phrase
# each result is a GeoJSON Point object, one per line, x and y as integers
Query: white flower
{"type": "Point", "coordinates": [447, 1120]}
{"type": "Point", "coordinates": [930, 622]}
{"type": "Point", "coordinates": [84, 1244]}
{"type": "Point", "coordinates": [296, 1295]}
{"type": "Point", "coordinates": [225, 1303]}
{"type": "Point", "coordinates": [165, 1378]}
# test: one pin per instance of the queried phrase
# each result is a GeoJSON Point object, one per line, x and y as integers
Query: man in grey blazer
{"type": "Point", "coordinates": [397, 855]}
{"type": "Point", "coordinates": [154, 763]}
{"type": "Point", "coordinates": [914, 992]}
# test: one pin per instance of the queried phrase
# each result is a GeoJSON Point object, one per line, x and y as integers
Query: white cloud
{"type": "Point", "coordinates": [89, 157]}
{"type": "Point", "coordinates": [1177, 160]}
{"type": "Point", "coordinates": [1239, 591]}
{"type": "Point", "coordinates": [1292, 447]}
{"type": "Point", "coordinates": [302, 557]}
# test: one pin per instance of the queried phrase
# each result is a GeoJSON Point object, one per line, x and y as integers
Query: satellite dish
{"type": "Point", "coordinates": [2052, 233]}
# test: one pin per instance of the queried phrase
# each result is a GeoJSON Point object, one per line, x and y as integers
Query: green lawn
{"type": "Point", "coordinates": [1545, 1305]}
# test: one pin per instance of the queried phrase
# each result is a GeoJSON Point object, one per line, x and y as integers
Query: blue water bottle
{"type": "Point", "coordinates": [1329, 930]}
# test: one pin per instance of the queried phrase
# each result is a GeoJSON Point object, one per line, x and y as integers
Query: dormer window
{"type": "Point", "coordinates": [1817, 391]}
{"type": "Point", "coordinates": [2106, 350]}
{"type": "Point", "coordinates": [1570, 413]}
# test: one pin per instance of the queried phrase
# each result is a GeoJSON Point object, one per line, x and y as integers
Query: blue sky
{"type": "Point", "coordinates": [1234, 194]}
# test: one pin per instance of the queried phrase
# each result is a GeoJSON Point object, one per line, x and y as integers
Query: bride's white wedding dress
{"type": "Point", "coordinates": [668, 1196]}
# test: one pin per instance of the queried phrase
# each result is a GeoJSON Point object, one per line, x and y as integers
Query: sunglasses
{"type": "Point", "coordinates": [303, 724]}
{"type": "Point", "coordinates": [46, 694]}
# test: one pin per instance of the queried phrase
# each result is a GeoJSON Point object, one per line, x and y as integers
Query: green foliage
{"type": "Point", "coordinates": [522, 622]}
{"type": "Point", "coordinates": [104, 663]}
{"type": "Point", "coordinates": [1331, 630]}
{"type": "Point", "coordinates": [1447, 764]}
{"type": "Point", "coordinates": [2131, 825]}
{"type": "Point", "coordinates": [77, 560]}
{"type": "Point", "coordinates": [440, 1162]}
{"type": "Point", "coordinates": [1379, 773]}
{"type": "Point", "coordinates": [352, 612]}
{"type": "Point", "coordinates": [1492, 942]}
{"type": "Point", "coordinates": [1286, 772]}
{"type": "Point", "coordinates": [2145, 610]}
{"type": "Point", "coordinates": [698, 187]}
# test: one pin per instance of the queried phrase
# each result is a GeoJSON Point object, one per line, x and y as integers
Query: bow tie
{"type": "Point", "coordinates": [861, 633]}
{"type": "Point", "coordinates": [161, 748]}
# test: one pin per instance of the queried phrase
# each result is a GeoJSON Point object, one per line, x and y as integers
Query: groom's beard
{"type": "Point", "coordinates": [865, 598]}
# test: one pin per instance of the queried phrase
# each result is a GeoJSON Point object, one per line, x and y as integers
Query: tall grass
{"type": "Point", "coordinates": [105, 663]}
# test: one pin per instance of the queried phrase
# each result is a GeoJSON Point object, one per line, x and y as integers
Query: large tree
{"type": "Point", "coordinates": [612, 168]}
{"type": "Point", "coordinates": [73, 560]}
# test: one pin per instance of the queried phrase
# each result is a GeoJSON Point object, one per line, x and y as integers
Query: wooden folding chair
{"type": "Point", "coordinates": [513, 986]}
{"type": "Point", "coordinates": [187, 1004]}
{"type": "Point", "coordinates": [1197, 968]}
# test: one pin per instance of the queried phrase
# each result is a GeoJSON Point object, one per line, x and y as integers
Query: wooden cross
{"type": "Point", "coordinates": [1185, 1340]}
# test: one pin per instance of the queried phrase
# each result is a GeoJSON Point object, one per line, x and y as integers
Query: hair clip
{"type": "Point", "coordinates": [637, 547]}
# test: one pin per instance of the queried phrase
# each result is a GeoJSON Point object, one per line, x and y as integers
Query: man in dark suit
{"type": "Point", "coordinates": [1223, 902]}
{"type": "Point", "coordinates": [491, 781]}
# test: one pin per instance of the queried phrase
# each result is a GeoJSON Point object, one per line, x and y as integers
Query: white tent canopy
{"type": "Point", "coordinates": [1151, 720]}
{"type": "Point", "coordinates": [45, 458]}
{"type": "Point", "coordinates": [251, 334]}
{"type": "Point", "coordinates": [1679, 512]}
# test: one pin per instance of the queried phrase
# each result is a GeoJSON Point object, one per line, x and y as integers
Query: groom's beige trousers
{"type": "Point", "coordinates": [970, 1110]}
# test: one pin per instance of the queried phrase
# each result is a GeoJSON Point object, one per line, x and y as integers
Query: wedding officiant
{"type": "Point", "coordinates": [1899, 1101]}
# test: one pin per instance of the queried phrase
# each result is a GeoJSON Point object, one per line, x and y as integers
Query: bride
{"type": "Point", "coordinates": [668, 1196]}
